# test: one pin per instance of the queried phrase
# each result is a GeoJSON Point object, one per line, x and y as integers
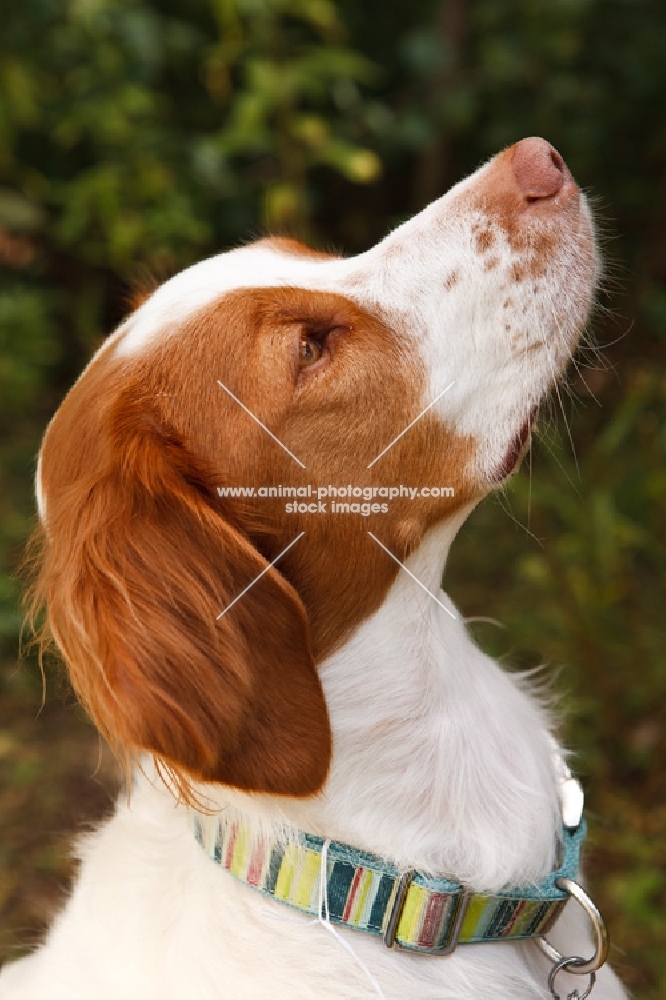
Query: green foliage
{"type": "Point", "coordinates": [124, 124]}
{"type": "Point", "coordinates": [139, 135]}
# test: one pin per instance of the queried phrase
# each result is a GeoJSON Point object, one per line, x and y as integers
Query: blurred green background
{"type": "Point", "coordinates": [137, 136]}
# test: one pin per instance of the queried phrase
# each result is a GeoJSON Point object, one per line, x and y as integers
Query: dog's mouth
{"type": "Point", "coordinates": [519, 446]}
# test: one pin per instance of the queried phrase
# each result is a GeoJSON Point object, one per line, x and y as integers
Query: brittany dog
{"type": "Point", "coordinates": [332, 792]}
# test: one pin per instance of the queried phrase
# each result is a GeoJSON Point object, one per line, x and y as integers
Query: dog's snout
{"type": "Point", "coordinates": [539, 169]}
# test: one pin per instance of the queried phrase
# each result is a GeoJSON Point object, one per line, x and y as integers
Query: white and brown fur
{"type": "Point", "coordinates": [336, 697]}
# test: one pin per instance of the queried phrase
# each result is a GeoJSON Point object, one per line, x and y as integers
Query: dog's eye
{"type": "Point", "coordinates": [310, 351]}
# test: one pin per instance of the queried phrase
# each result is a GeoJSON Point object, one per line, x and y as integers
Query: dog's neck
{"type": "Point", "coordinates": [442, 760]}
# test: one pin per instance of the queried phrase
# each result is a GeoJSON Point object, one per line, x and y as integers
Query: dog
{"type": "Point", "coordinates": [286, 679]}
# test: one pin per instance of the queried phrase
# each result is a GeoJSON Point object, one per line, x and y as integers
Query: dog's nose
{"type": "Point", "coordinates": [539, 169]}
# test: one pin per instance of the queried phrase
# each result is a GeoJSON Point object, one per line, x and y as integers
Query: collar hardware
{"type": "Point", "coordinates": [456, 920]}
{"type": "Point", "coordinates": [580, 966]}
{"type": "Point", "coordinates": [397, 908]}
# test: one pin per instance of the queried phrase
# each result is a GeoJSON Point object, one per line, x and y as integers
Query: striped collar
{"type": "Point", "coordinates": [416, 911]}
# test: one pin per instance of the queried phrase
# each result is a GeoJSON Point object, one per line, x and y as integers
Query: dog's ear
{"type": "Point", "coordinates": [137, 565]}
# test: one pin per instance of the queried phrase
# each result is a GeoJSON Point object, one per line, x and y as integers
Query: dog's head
{"type": "Point", "coordinates": [269, 366]}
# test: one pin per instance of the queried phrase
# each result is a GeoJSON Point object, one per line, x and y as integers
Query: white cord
{"type": "Point", "coordinates": [325, 921]}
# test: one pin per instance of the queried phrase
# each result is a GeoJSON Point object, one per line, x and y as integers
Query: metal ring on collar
{"type": "Point", "coordinates": [580, 966]}
{"type": "Point", "coordinates": [563, 966]}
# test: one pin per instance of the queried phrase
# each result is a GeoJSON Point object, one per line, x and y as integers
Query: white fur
{"type": "Point", "coordinates": [39, 492]}
{"type": "Point", "coordinates": [442, 760]}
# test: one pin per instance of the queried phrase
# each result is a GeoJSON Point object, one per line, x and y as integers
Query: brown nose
{"type": "Point", "coordinates": [538, 168]}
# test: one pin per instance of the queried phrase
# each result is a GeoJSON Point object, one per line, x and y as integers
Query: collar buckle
{"type": "Point", "coordinates": [455, 922]}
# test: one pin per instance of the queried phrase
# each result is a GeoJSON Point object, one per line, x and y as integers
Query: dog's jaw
{"type": "Point", "coordinates": [499, 291]}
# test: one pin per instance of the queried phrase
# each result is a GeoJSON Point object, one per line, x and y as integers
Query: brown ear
{"type": "Point", "coordinates": [138, 563]}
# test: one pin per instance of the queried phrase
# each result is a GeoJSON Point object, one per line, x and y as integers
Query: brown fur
{"type": "Point", "coordinates": [140, 556]}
